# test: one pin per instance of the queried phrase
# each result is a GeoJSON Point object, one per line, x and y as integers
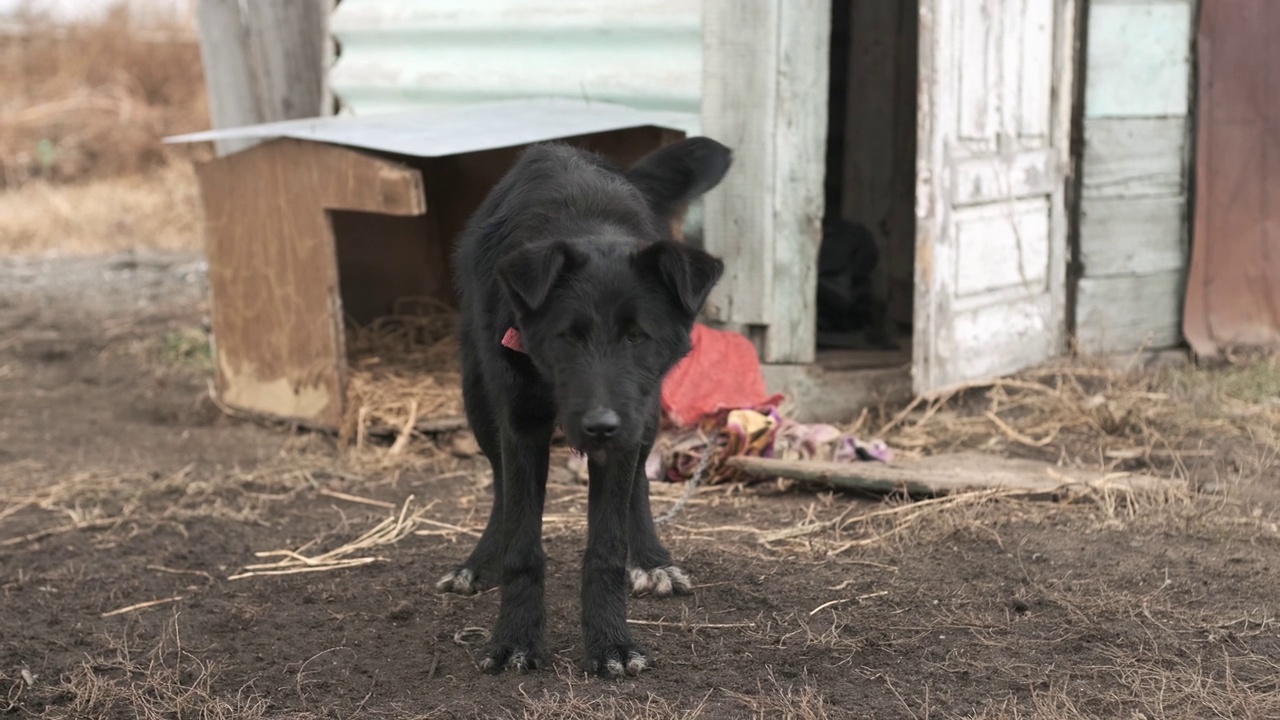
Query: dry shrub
{"type": "Point", "coordinates": [158, 211]}
{"type": "Point", "coordinates": [94, 98]}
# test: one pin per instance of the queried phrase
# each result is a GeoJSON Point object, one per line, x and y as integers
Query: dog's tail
{"type": "Point", "coordinates": [672, 177]}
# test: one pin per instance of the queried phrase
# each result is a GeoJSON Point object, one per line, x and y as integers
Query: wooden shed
{"type": "Point", "coordinates": [1021, 165]}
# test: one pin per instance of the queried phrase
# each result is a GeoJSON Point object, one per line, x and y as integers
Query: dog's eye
{"type": "Point", "coordinates": [635, 334]}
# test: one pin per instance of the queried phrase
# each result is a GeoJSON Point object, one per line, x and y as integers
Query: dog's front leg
{"type": "Point", "coordinates": [609, 647]}
{"type": "Point", "coordinates": [517, 636]}
{"type": "Point", "coordinates": [650, 569]}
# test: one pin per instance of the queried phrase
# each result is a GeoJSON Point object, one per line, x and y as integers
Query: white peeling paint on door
{"type": "Point", "coordinates": [994, 153]}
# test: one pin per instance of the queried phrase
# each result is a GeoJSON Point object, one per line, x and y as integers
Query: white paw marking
{"type": "Point", "coordinates": [636, 663]}
{"type": "Point", "coordinates": [614, 668]}
{"type": "Point", "coordinates": [461, 581]}
{"type": "Point", "coordinates": [517, 662]}
{"type": "Point", "coordinates": [659, 582]}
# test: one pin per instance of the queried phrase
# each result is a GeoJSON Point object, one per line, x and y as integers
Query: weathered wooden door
{"type": "Point", "coordinates": [993, 160]}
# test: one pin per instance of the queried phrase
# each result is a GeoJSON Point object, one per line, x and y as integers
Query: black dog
{"type": "Point", "coordinates": [577, 256]}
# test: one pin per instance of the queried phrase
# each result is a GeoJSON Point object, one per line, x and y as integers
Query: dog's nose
{"type": "Point", "coordinates": [601, 423]}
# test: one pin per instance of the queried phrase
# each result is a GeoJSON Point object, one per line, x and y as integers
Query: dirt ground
{"type": "Point", "coordinates": [121, 483]}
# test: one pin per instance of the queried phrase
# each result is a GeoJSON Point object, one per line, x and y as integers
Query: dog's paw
{"type": "Point", "coordinates": [614, 661]}
{"type": "Point", "coordinates": [659, 582]}
{"type": "Point", "coordinates": [461, 580]}
{"type": "Point", "coordinates": [517, 656]}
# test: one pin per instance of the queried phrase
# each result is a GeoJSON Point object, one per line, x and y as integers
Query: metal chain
{"type": "Point", "coordinates": [691, 486]}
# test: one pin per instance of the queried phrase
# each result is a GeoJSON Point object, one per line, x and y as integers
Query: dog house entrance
{"type": "Point", "coordinates": [866, 264]}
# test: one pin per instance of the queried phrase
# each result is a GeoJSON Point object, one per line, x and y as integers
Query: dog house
{"type": "Point", "coordinates": [332, 222]}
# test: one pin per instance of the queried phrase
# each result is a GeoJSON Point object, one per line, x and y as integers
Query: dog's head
{"type": "Point", "coordinates": [605, 315]}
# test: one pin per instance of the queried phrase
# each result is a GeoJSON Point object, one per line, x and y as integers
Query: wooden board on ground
{"type": "Point", "coordinates": [947, 474]}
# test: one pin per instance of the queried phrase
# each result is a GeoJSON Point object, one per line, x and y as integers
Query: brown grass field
{"type": "Point", "coordinates": [162, 559]}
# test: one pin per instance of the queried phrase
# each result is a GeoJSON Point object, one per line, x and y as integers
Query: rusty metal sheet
{"type": "Point", "coordinates": [1233, 290]}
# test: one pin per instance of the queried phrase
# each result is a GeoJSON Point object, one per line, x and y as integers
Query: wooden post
{"type": "Point", "coordinates": [764, 93]}
{"type": "Point", "coordinates": [264, 61]}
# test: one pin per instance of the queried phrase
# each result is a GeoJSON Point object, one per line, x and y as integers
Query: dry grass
{"type": "Point", "coordinates": [92, 100]}
{"type": "Point", "coordinates": [830, 531]}
{"type": "Point", "coordinates": [158, 211]}
{"type": "Point", "coordinates": [784, 702]}
{"type": "Point", "coordinates": [130, 503]}
{"type": "Point", "coordinates": [404, 373]}
{"type": "Point", "coordinates": [1190, 424]}
{"type": "Point", "coordinates": [83, 109]}
{"type": "Point", "coordinates": [1160, 688]}
{"type": "Point", "coordinates": [389, 531]}
{"type": "Point", "coordinates": [1171, 663]}
{"type": "Point", "coordinates": [578, 699]}
{"type": "Point", "coordinates": [117, 505]}
{"type": "Point", "coordinates": [1214, 433]}
{"type": "Point", "coordinates": [163, 682]}
{"type": "Point", "coordinates": [1149, 655]}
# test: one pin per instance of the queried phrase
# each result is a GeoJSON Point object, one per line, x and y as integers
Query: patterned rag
{"type": "Point", "coordinates": [762, 431]}
{"type": "Point", "coordinates": [715, 400]}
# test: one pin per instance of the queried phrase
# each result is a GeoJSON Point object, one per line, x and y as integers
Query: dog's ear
{"type": "Point", "coordinates": [529, 273]}
{"type": "Point", "coordinates": [687, 272]}
{"type": "Point", "coordinates": [673, 176]}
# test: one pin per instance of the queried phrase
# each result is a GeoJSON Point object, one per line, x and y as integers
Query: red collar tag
{"type": "Point", "coordinates": [511, 340]}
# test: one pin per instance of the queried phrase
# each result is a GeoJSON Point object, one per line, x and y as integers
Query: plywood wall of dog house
{"type": "Point", "coordinates": [274, 272]}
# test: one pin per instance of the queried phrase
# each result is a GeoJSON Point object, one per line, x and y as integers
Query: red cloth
{"type": "Point", "coordinates": [722, 372]}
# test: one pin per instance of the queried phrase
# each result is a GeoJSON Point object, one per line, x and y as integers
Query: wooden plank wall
{"type": "Point", "coordinates": [1133, 201]}
{"type": "Point", "coordinates": [764, 93]}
